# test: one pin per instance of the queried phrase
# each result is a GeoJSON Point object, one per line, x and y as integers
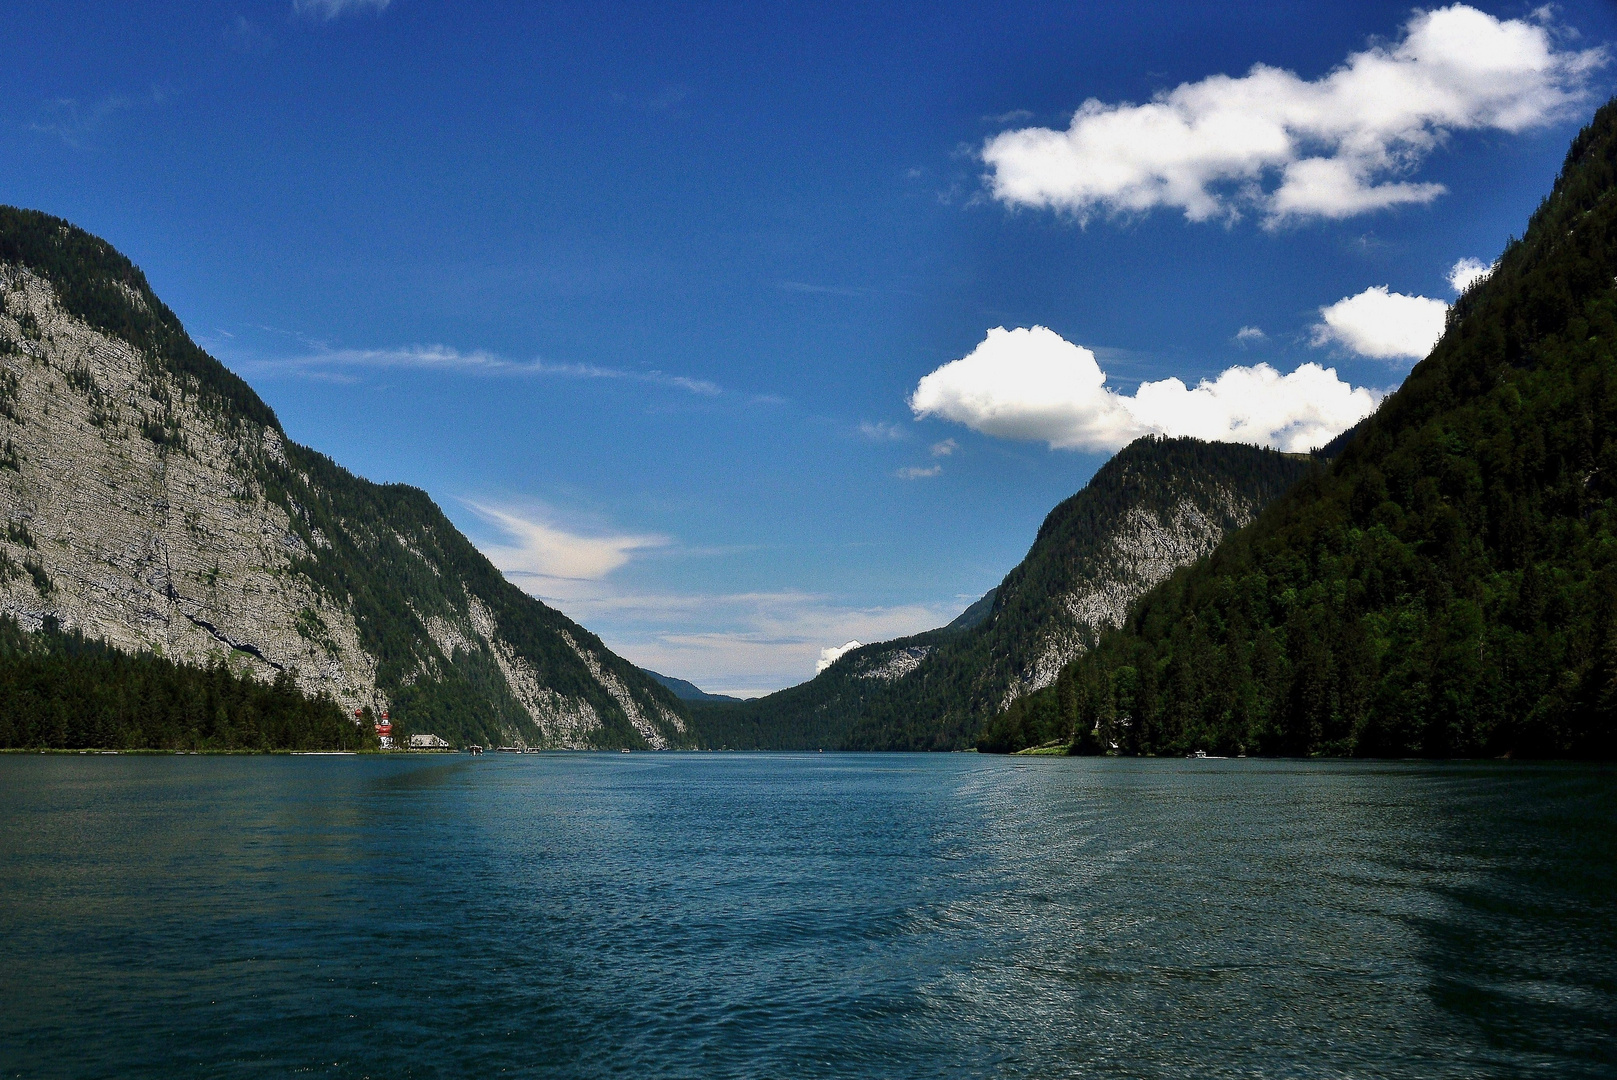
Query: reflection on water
{"type": "Point", "coordinates": [815, 915]}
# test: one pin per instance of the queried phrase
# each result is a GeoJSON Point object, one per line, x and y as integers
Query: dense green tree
{"type": "Point", "coordinates": [61, 690]}
{"type": "Point", "coordinates": [1447, 586]}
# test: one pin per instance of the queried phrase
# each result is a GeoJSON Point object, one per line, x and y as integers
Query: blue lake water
{"type": "Point", "coordinates": [718, 915]}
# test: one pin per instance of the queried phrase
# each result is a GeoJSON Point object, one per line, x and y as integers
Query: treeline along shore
{"type": "Point", "coordinates": [58, 689]}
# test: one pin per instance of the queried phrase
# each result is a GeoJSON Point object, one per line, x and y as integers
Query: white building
{"type": "Point", "coordinates": [427, 742]}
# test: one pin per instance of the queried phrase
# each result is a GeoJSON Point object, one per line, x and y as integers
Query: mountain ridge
{"type": "Point", "coordinates": [1448, 587]}
{"type": "Point", "coordinates": [1155, 505]}
{"type": "Point", "coordinates": [152, 499]}
{"type": "Point", "coordinates": [686, 690]}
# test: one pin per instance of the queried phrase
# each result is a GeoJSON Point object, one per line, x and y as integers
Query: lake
{"type": "Point", "coordinates": [805, 915]}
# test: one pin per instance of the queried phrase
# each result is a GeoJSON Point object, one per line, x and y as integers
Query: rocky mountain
{"type": "Point", "coordinates": [150, 498]}
{"type": "Point", "coordinates": [1159, 505]}
{"type": "Point", "coordinates": [1448, 586]}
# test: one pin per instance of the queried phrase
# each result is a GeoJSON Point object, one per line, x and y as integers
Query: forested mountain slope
{"type": "Point", "coordinates": [1157, 505]}
{"type": "Point", "coordinates": [150, 498]}
{"type": "Point", "coordinates": [61, 689]}
{"type": "Point", "coordinates": [1448, 586]}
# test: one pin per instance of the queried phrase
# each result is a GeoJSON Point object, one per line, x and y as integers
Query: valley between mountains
{"type": "Point", "coordinates": [1440, 581]}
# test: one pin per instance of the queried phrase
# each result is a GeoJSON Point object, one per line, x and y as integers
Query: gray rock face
{"type": "Point", "coordinates": [136, 514]}
{"type": "Point", "coordinates": [1145, 549]}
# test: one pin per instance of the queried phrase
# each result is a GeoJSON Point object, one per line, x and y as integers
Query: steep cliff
{"type": "Point", "coordinates": [1160, 504]}
{"type": "Point", "coordinates": [150, 498]}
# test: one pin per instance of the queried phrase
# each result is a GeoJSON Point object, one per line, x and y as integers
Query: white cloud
{"type": "Point", "coordinates": [1034, 385]}
{"type": "Point", "coordinates": [1383, 325]}
{"type": "Point", "coordinates": [538, 548]}
{"type": "Point", "coordinates": [322, 361]}
{"type": "Point", "coordinates": [831, 655]}
{"type": "Point", "coordinates": [918, 472]}
{"type": "Point", "coordinates": [1250, 335]}
{"type": "Point", "coordinates": [1468, 272]}
{"type": "Point", "coordinates": [330, 9]}
{"type": "Point", "coordinates": [944, 448]}
{"type": "Point", "coordinates": [882, 431]}
{"type": "Point", "coordinates": [1296, 149]}
{"type": "Point", "coordinates": [743, 643]}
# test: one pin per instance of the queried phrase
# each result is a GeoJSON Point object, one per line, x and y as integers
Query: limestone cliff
{"type": "Point", "coordinates": [149, 497]}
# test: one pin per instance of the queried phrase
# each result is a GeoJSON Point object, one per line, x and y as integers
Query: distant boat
{"type": "Point", "coordinates": [1198, 754]}
{"type": "Point", "coordinates": [625, 750]}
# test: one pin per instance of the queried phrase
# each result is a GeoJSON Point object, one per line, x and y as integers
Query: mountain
{"type": "Point", "coordinates": [151, 499]}
{"type": "Point", "coordinates": [977, 613]}
{"type": "Point", "coordinates": [687, 691]}
{"type": "Point", "coordinates": [1156, 506]}
{"type": "Point", "coordinates": [1448, 586]}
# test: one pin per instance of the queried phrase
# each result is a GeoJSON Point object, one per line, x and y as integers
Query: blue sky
{"type": "Point", "coordinates": [683, 313]}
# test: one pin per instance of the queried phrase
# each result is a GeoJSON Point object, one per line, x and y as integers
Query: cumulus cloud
{"type": "Point", "coordinates": [537, 547]}
{"type": "Point", "coordinates": [330, 9]}
{"type": "Point", "coordinates": [1382, 325]}
{"type": "Point", "coordinates": [832, 654]}
{"type": "Point", "coordinates": [1034, 385]}
{"type": "Point", "coordinates": [1296, 149]}
{"type": "Point", "coordinates": [1468, 272]}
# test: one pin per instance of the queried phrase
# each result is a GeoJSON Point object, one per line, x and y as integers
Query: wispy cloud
{"type": "Point", "coordinates": [537, 547]}
{"type": "Point", "coordinates": [330, 9]}
{"type": "Point", "coordinates": [882, 431]}
{"type": "Point", "coordinates": [821, 290]}
{"type": "Point", "coordinates": [321, 361]}
{"type": "Point", "coordinates": [1014, 116]}
{"type": "Point", "coordinates": [918, 472]}
{"type": "Point", "coordinates": [944, 448]}
{"type": "Point", "coordinates": [668, 101]}
{"type": "Point", "coordinates": [78, 124]}
{"type": "Point", "coordinates": [244, 35]}
{"type": "Point", "coordinates": [739, 642]}
{"type": "Point", "coordinates": [1250, 335]}
{"type": "Point", "coordinates": [743, 643]}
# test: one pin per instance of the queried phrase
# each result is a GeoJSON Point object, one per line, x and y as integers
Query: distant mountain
{"type": "Point", "coordinates": [977, 613]}
{"type": "Point", "coordinates": [149, 497]}
{"type": "Point", "coordinates": [687, 691]}
{"type": "Point", "coordinates": [1448, 586]}
{"type": "Point", "coordinates": [1160, 504]}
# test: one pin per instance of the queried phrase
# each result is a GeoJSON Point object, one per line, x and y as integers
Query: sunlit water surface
{"type": "Point", "coordinates": [689, 915]}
